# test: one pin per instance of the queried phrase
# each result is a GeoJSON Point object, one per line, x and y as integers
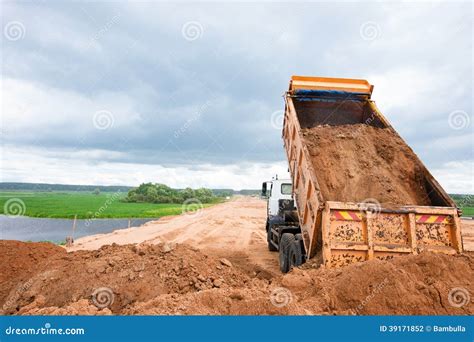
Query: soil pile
{"type": "Point", "coordinates": [20, 262]}
{"type": "Point", "coordinates": [126, 273]}
{"type": "Point", "coordinates": [425, 284]}
{"type": "Point", "coordinates": [354, 163]}
{"type": "Point", "coordinates": [178, 279]}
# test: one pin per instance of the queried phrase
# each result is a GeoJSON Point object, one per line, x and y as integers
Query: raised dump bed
{"type": "Point", "coordinates": [360, 190]}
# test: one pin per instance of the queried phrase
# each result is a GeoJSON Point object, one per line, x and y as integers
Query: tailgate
{"type": "Point", "coordinates": [348, 85]}
{"type": "Point", "coordinates": [357, 232]}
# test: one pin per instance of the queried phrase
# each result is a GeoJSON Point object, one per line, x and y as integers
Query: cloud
{"type": "Point", "coordinates": [171, 102]}
{"type": "Point", "coordinates": [82, 167]}
{"type": "Point", "coordinates": [456, 176]}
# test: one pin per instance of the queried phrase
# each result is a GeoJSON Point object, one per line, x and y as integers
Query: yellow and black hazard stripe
{"type": "Point", "coordinates": [342, 215]}
{"type": "Point", "coordinates": [432, 219]}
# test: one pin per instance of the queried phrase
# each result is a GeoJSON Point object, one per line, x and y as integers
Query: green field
{"type": "Point", "coordinates": [468, 211]}
{"type": "Point", "coordinates": [88, 205]}
{"type": "Point", "coordinates": [83, 204]}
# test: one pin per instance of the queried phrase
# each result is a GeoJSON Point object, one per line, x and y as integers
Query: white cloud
{"type": "Point", "coordinates": [456, 177]}
{"type": "Point", "coordinates": [18, 164]}
{"type": "Point", "coordinates": [140, 68]}
{"type": "Point", "coordinates": [34, 107]}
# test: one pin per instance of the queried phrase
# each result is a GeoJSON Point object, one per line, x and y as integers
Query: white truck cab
{"type": "Point", "coordinates": [276, 190]}
{"type": "Point", "coordinates": [283, 230]}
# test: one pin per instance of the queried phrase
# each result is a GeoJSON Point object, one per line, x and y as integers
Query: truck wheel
{"type": "Point", "coordinates": [271, 246]}
{"type": "Point", "coordinates": [296, 254]}
{"type": "Point", "coordinates": [286, 241]}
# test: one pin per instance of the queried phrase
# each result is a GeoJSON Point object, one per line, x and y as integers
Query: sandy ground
{"type": "Point", "coordinates": [234, 229]}
{"type": "Point", "coordinates": [43, 279]}
{"type": "Point", "coordinates": [468, 234]}
{"type": "Point", "coordinates": [217, 262]}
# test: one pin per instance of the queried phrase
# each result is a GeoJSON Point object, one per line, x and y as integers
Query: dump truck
{"type": "Point", "coordinates": [358, 191]}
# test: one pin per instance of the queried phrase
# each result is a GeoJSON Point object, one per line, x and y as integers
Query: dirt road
{"type": "Point", "coordinates": [468, 234]}
{"type": "Point", "coordinates": [234, 229]}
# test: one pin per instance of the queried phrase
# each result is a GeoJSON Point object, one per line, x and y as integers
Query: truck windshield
{"type": "Point", "coordinates": [286, 189]}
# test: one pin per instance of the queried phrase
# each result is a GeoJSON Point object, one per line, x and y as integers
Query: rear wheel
{"type": "Point", "coordinates": [286, 242]}
{"type": "Point", "coordinates": [295, 254]}
{"type": "Point", "coordinates": [271, 246]}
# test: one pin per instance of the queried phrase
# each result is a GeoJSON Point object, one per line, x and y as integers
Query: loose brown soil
{"type": "Point", "coordinates": [234, 229]}
{"type": "Point", "coordinates": [355, 163]}
{"type": "Point", "coordinates": [467, 229]}
{"type": "Point", "coordinates": [217, 263]}
{"type": "Point", "coordinates": [178, 279]}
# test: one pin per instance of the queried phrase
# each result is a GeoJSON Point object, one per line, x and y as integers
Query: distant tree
{"type": "Point", "coordinates": [225, 193]}
{"type": "Point", "coordinates": [161, 193]}
{"type": "Point", "coordinates": [151, 194]}
{"type": "Point", "coordinates": [96, 191]}
{"type": "Point", "coordinates": [187, 194]}
{"type": "Point", "coordinates": [204, 195]}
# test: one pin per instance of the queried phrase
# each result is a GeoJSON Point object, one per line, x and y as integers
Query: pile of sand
{"type": "Point", "coordinates": [40, 278]}
{"type": "Point", "coordinates": [133, 273]}
{"type": "Point", "coordinates": [354, 163]}
{"type": "Point", "coordinates": [408, 285]}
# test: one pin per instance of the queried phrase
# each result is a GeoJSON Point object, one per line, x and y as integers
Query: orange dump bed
{"type": "Point", "coordinates": [345, 217]}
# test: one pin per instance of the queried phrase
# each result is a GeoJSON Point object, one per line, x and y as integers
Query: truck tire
{"type": "Point", "coordinates": [286, 241]}
{"type": "Point", "coordinates": [271, 246]}
{"type": "Point", "coordinates": [296, 254]}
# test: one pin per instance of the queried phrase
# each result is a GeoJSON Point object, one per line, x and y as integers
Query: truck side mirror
{"type": "Point", "coordinates": [264, 189]}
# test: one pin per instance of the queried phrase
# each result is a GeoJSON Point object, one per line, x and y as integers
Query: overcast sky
{"type": "Point", "coordinates": [190, 94]}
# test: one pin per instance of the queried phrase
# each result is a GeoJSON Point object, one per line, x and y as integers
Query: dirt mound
{"type": "Point", "coordinates": [20, 261]}
{"type": "Point", "coordinates": [127, 274]}
{"type": "Point", "coordinates": [178, 279]}
{"type": "Point", "coordinates": [427, 284]}
{"type": "Point", "coordinates": [357, 162]}
{"type": "Point", "coordinates": [409, 285]}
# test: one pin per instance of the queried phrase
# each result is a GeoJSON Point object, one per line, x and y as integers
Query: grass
{"type": "Point", "coordinates": [87, 205]}
{"type": "Point", "coordinates": [468, 211]}
{"type": "Point", "coordinates": [82, 204]}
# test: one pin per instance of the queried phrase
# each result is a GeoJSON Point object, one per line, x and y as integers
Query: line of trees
{"type": "Point", "coordinates": [161, 193]}
{"type": "Point", "coordinates": [463, 200]}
